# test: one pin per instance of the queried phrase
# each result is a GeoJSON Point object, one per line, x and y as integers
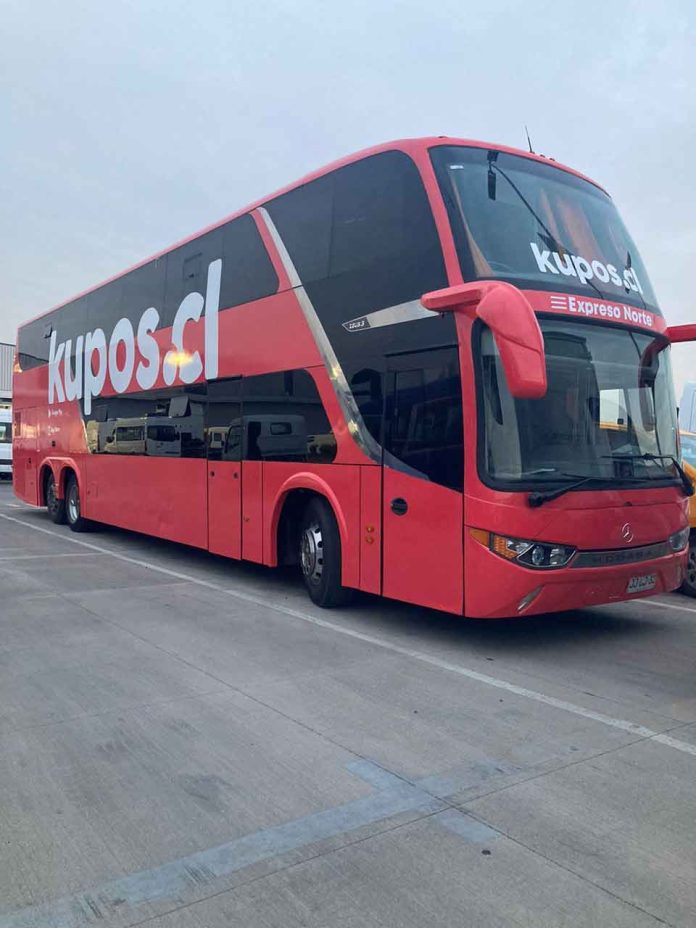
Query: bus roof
{"type": "Point", "coordinates": [412, 147]}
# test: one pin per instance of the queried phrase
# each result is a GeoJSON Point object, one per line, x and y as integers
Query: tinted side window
{"type": "Point", "coordinates": [424, 415]}
{"type": "Point", "coordinates": [68, 322]}
{"type": "Point", "coordinates": [247, 271]}
{"type": "Point", "coordinates": [141, 288]}
{"type": "Point", "coordinates": [381, 213]}
{"type": "Point", "coordinates": [371, 216]}
{"type": "Point", "coordinates": [224, 420]}
{"type": "Point", "coordinates": [284, 419]}
{"type": "Point", "coordinates": [187, 271]}
{"type": "Point", "coordinates": [32, 346]}
{"type": "Point", "coordinates": [303, 219]}
{"type": "Point", "coordinates": [363, 239]}
{"type": "Point", "coordinates": [157, 423]}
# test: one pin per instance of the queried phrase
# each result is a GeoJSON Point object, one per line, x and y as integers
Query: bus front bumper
{"type": "Point", "coordinates": [505, 589]}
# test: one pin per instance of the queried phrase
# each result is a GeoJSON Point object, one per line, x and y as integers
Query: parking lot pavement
{"type": "Point", "coordinates": [186, 741]}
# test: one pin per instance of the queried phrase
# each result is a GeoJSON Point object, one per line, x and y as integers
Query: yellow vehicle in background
{"type": "Point", "coordinates": [688, 444]}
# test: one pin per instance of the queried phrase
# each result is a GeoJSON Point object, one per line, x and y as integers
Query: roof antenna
{"type": "Point", "coordinates": [529, 141]}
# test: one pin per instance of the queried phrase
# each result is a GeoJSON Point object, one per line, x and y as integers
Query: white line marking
{"type": "Point", "coordinates": [42, 557]}
{"type": "Point", "coordinates": [621, 724]}
{"type": "Point", "coordinates": [659, 604]}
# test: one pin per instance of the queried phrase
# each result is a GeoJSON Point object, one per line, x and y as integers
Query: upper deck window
{"type": "Point", "coordinates": [368, 228]}
{"type": "Point", "coordinates": [538, 227]}
{"type": "Point", "coordinates": [247, 275]}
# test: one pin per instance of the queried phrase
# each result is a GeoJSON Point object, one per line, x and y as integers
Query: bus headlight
{"type": "Point", "coordinates": [680, 540]}
{"type": "Point", "coordinates": [539, 555]}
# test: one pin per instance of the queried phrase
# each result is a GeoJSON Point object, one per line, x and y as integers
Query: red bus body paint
{"type": "Point", "coordinates": [208, 394]}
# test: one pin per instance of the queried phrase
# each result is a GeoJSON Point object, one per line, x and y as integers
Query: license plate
{"type": "Point", "coordinates": [641, 584]}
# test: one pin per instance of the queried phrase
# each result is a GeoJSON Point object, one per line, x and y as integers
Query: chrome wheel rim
{"type": "Point", "coordinates": [74, 503]}
{"type": "Point", "coordinates": [312, 553]}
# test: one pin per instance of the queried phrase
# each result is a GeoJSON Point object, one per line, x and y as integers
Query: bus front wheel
{"type": "Point", "coordinates": [689, 585]}
{"type": "Point", "coordinates": [73, 506]}
{"type": "Point", "coordinates": [55, 506]}
{"type": "Point", "coordinates": [320, 556]}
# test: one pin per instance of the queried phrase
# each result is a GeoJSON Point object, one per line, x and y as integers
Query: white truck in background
{"type": "Point", "coordinates": [5, 443]}
{"type": "Point", "coordinates": [687, 409]}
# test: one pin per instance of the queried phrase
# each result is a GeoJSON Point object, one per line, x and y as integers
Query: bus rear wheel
{"type": "Point", "coordinates": [55, 506]}
{"type": "Point", "coordinates": [73, 506]}
{"type": "Point", "coordinates": [320, 556]}
{"type": "Point", "coordinates": [689, 585]}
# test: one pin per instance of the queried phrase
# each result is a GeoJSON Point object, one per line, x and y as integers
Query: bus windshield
{"type": "Point", "coordinates": [538, 226]}
{"type": "Point", "coordinates": [608, 413]}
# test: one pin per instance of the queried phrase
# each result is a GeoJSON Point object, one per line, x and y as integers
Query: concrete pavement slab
{"type": "Point", "coordinates": [122, 770]}
{"type": "Point", "coordinates": [624, 821]}
{"type": "Point", "coordinates": [422, 874]}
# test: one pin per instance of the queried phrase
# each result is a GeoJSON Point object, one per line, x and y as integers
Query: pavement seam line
{"type": "Point", "coordinates": [568, 869]}
{"type": "Point", "coordinates": [648, 734]}
{"type": "Point", "coordinates": [290, 866]}
{"type": "Point", "coordinates": [390, 796]}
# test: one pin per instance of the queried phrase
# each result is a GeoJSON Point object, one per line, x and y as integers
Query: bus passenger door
{"type": "Point", "coordinates": [422, 556]}
{"type": "Point", "coordinates": [223, 442]}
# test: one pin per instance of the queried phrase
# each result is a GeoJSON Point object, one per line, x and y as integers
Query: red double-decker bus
{"type": "Point", "coordinates": [435, 371]}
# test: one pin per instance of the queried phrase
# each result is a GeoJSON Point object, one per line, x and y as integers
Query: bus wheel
{"type": "Point", "coordinates": [73, 507]}
{"type": "Point", "coordinates": [320, 556]}
{"type": "Point", "coordinates": [689, 585]}
{"type": "Point", "coordinates": [55, 506]}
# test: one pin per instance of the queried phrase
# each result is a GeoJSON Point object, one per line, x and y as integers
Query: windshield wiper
{"type": "Point", "coordinates": [538, 498]}
{"type": "Point", "coordinates": [687, 485]}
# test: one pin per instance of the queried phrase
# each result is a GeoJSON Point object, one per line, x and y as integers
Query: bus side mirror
{"type": "Point", "coordinates": [509, 315]}
{"type": "Point", "coordinates": [682, 333]}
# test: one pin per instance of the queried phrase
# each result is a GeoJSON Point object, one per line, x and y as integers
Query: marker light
{"type": "Point", "coordinates": [536, 554]}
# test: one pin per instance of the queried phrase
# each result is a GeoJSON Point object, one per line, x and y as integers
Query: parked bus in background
{"type": "Point", "coordinates": [435, 371]}
{"type": "Point", "coordinates": [688, 443]}
{"type": "Point", "coordinates": [5, 443]}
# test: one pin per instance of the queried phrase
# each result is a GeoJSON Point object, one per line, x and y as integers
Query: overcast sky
{"type": "Point", "coordinates": [129, 125]}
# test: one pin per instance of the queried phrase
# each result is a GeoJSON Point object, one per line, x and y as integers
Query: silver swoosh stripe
{"type": "Point", "coordinates": [353, 417]}
{"type": "Point", "coordinates": [392, 315]}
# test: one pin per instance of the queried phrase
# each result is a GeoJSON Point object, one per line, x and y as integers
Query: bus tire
{"type": "Point", "coordinates": [689, 585]}
{"type": "Point", "coordinates": [54, 506]}
{"type": "Point", "coordinates": [320, 556]}
{"type": "Point", "coordinates": [73, 506]}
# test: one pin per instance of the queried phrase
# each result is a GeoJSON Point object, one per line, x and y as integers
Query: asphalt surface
{"type": "Point", "coordinates": [186, 741]}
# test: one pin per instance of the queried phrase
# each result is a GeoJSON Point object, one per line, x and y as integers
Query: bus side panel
{"type": "Point", "coordinates": [371, 529]}
{"type": "Point", "coordinates": [422, 543]}
{"type": "Point", "coordinates": [252, 511]}
{"type": "Point", "coordinates": [25, 455]}
{"type": "Point", "coordinates": [340, 485]}
{"type": "Point", "coordinates": [254, 334]}
{"type": "Point", "coordinates": [163, 497]}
